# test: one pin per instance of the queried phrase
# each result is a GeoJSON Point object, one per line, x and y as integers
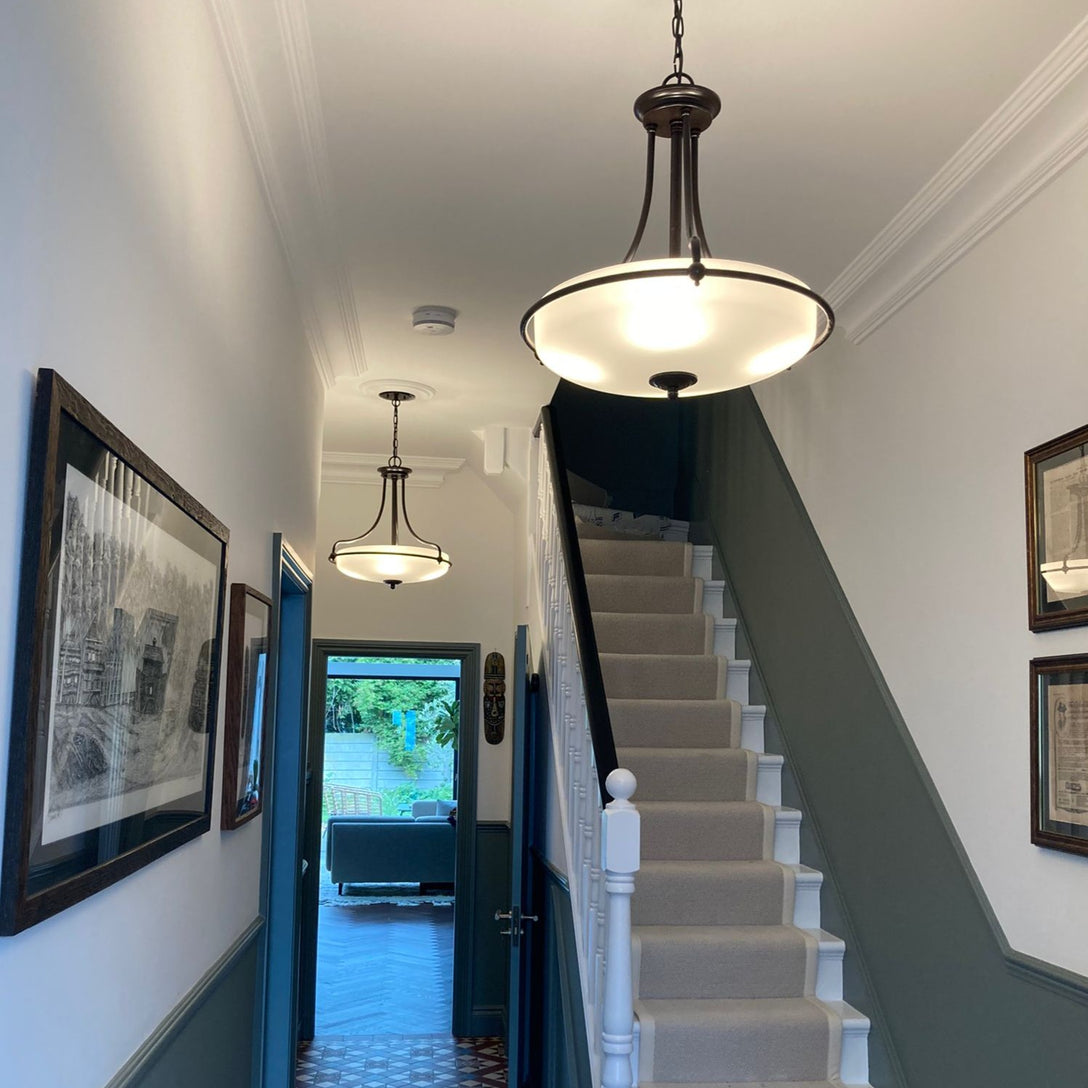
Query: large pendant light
{"type": "Point", "coordinates": [392, 563]}
{"type": "Point", "coordinates": [681, 324]}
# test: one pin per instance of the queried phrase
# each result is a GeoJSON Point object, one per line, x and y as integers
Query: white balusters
{"type": "Point", "coordinates": [600, 882]}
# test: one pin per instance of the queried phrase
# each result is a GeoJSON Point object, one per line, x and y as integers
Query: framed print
{"type": "Point", "coordinates": [1057, 517]}
{"type": "Point", "coordinates": [117, 660]}
{"type": "Point", "coordinates": [244, 720]}
{"type": "Point", "coordinates": [1059, 753]}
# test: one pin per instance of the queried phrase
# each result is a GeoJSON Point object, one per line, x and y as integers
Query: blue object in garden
{"type": "Point", "coordinates": [410, 730]}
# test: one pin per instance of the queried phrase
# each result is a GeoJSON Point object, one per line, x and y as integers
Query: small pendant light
{"type": "Point", "coordinates": [392, 563]}
{"type": "Point", "coordinates": [676, 325]}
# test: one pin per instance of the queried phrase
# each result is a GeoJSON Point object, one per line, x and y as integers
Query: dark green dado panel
{"type": "Point", "coordinates": [207, 1041]}
{"type": "Point", "coordinates": [490, 952]}
{"type": "Point", "coordinates": [627, 445]}
{"type": "Point", "coordinates": [558, 1028]}
{"type": "Point", "coordinates": [961, 1007]}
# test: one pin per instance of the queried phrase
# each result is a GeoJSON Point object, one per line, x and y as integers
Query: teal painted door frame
{"type": "Point", "coordinates": [276, 1013]}
{"type": "Point", "coordinates": [522, 808]}
{"type": "Point", "coordinates": [464, 910]}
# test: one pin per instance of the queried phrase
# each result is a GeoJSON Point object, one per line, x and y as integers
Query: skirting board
{"type": "Point", "coordinates": [141, 1063]}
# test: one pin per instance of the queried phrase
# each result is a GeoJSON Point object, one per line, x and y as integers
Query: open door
{"type": "Point", "coordinates": [522, 809]}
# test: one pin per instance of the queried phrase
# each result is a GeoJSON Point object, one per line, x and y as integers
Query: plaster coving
{"type": "Point", "coordinates": [314, 258]}
{"type": "Point", "coordinates": [341, 467]}
{"type": "Point", "coordinates": [1034, 135]}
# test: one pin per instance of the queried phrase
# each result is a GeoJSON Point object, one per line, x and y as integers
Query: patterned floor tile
{"type": "Point", "coordinates": [402, 1061]}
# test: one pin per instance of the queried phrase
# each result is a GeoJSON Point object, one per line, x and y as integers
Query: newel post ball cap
{"type": "Point", "coordinates": [621, 784]}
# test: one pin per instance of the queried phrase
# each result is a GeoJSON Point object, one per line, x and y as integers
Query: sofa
{"type": "Point", "coordinates": [417, 848]}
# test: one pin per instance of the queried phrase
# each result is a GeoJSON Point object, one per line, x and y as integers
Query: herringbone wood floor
{"type": "Point", "coordinates": [384, 969]}
{"type": "Point", "coordinates": [384, 1004]}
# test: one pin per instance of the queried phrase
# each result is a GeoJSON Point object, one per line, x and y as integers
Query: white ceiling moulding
{"type": "Point", "coordinates": [362, 468]}
{"type": "Point", "coordinates": [1039, 131]}
{"type": "Point", "coordinates": [280, 106]}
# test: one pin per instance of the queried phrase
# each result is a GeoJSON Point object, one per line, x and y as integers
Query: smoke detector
{"type": "Point", "coordinates": [433, 320]}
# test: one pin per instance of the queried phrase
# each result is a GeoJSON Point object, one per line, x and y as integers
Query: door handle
{"type": "Point", "coordinates": [516, 918]}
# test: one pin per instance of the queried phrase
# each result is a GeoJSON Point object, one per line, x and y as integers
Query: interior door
{"type": "Point", "coordinates": [521, 814]}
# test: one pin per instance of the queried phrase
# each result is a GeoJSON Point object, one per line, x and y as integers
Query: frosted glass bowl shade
{"type": "Point", "coordinates": [614, 328]}
{"type": "Point", "coordinates": [391, 563]}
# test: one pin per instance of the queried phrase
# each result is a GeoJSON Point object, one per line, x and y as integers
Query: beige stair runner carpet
{"type": "Point", "coordinates": [724, 982]}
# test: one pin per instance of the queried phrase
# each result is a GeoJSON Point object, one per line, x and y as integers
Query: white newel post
{"type": "Point", "coordinates": [620, 861]}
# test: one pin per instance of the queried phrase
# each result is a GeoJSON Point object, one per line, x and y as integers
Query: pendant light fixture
{"type": "Point", "coordinates": [682, 324]}
{"type": "Point", "coordinates": [392, 563]}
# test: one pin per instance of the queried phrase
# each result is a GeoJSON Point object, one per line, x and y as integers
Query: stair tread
{"type": "Point", "coordinates": [710, 1010]}
{"type": "Point", "coordinates": [748, 1084]}
{"type": "Point", "coordinates": [723, 933]}
{"type": "Point", "coordinates": [635, 558]}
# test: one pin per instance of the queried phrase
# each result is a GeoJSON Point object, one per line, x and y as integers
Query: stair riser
{"type": "Point", "coordinates": [672, 596]}
{"type": "Point", "coordinates": [696, 969]}
{"type": "Point", "coordinates": [724, 642]}
{"type": "Point", "coordinates": [665, 774]}
{"type": "Point", "coordinates": [634, 633]}
{"type": "Point", "coordinates": [769, 778]}
{"type": "Point", "coordinates": [745, 833]}
{"type": "Point", "coordinates": [652, 724]}
{"type": "Point", "coordinates": [701, 899]}
{"type": "Point", "coordinates": [635, 557]}
{"type": "Point", "coordinates": [742, 831]}
{"type": "Point", "coordinates": [751, 727]}
{"type": "Point", "coordinates": [736, 682]}
{"type": "Point", "coordinates": [634, 676]}
{"type": "Point", "coordinates": [750, 1047]}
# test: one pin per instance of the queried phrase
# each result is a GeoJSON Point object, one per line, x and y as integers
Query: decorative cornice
{"type": "Point", "coordinates": [313, 256]}
{"type": "Point", "coordinates": [1040, 130]}
{"type": "Point", "coordinates": [306, 94]}
{"type": "Point", "coordinates": [362, 468]}
{"type": "Point", "coordinates": [239, 69]}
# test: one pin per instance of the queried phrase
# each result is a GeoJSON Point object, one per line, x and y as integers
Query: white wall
{"type": "Point", "coordinates": [908, 453]}
{"type": "Point", "coordinates": [479, 600]}
{"type": "Point", "coordinates": [139, 261]}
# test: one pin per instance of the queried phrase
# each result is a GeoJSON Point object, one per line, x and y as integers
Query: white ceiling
{"type": "Point", "coordinates": [474, 153]}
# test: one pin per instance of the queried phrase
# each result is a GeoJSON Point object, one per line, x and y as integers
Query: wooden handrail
{"type": "Point", "coordinates": [600, 724]}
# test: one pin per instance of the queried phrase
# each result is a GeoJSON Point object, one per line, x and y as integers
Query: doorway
{"type": "Point", "coordinates": [390, 824]}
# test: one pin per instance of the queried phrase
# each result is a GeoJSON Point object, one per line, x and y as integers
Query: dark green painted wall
{"type": "Point", "coordinates": [560, 1058]}
{"type": "Point", "coordinates": [626, 445]}
{"type": "Point", "coordinates": [958, 1010]}
{"type": "Point", "coordinates": [207, 1041]}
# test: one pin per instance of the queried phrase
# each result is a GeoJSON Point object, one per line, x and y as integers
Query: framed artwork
{"type": "Point", "coordinates": [244, 720]}
{"type": "Point", "coordinates": [120, 620]}
{"type": "Point", "coordinates": [1057, 517]}
{"type": "Point", "coordinates": [1059, 753]}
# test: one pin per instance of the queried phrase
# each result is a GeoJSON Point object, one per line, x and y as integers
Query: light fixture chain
{"type": "Point", "coordinates": [395, 459]}
{"type": "Point", "coordinates": [678, 37]}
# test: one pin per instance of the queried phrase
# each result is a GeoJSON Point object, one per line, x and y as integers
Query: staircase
{"type": "Point", "coordinates": [735, 984]}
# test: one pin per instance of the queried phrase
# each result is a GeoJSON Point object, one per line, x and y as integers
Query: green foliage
{"type": "Point", "coordinates": [363, 705]}
{"type": "Point", "coordinates": [446, 723]}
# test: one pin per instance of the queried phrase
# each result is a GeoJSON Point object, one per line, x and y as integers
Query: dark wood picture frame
{"type": "Point", "coordinates": [1059, 753]}
{"type": "Point", "coordinates": [120, 620]}
{"type": "Point", "coordinates": [245, 718]}
{"type": "Point", "coordinates": [1056, 479]}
